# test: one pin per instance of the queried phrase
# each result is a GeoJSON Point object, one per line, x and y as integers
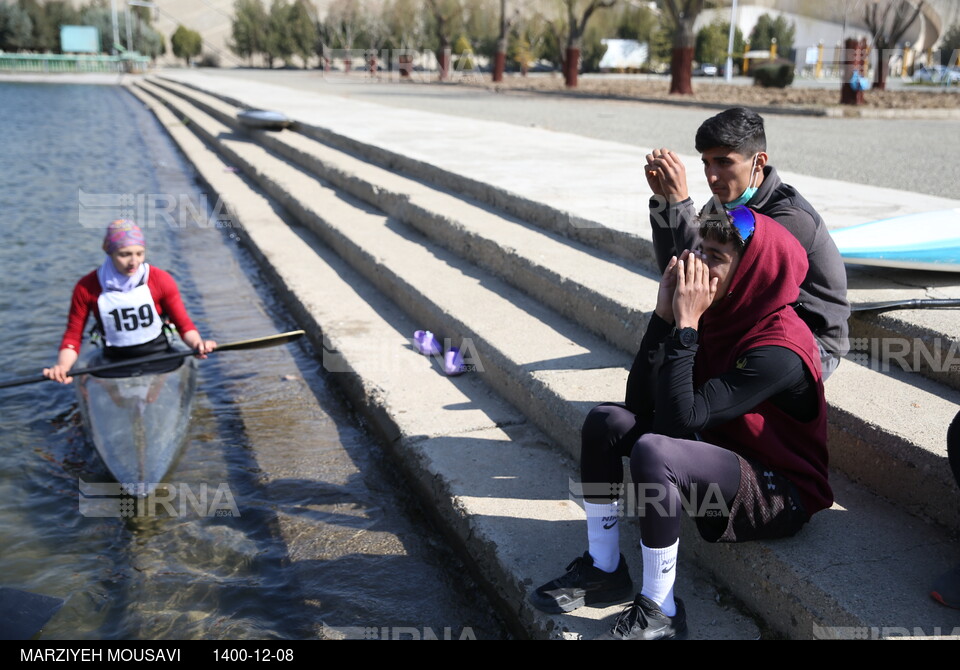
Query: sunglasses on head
{"type": "Point", "coordinates": [744, 221]}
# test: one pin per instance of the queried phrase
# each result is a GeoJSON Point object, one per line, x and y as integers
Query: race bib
{"type": "Point", "coordinates": [129, 318]}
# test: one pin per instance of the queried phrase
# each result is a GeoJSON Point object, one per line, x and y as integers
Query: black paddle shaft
{"type": "Point", "coordinates": [257, 343]}
{"type": "Point", "coordinates": [914, 303]}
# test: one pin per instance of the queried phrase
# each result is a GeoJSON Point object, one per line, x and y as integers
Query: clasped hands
{"type": "Point", "coordinates": [686, 290]}
{"type": "Point", "coordinates": [666, 175]}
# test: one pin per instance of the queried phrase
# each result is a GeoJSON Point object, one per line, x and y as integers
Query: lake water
{"type": "Point", "coordinates": [325, 544]}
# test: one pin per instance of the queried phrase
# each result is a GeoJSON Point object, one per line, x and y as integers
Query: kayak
{"type": "Point", "coordinates": [23, 614]}
{"type": "Point", "coordinates": [924, 241]}
{"type": "Point", "coordinates": [138, 423]}
{"type": "Point", "coordinates": [263, 119]}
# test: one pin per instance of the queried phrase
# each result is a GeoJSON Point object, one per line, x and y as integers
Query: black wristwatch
{"type": "Point", "coordinates": [685, 337]}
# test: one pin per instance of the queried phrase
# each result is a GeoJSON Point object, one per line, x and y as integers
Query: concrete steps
{"type": "Point", "coordinates": [495, 483]}
{"type": "Point", "coordinates": [615, 222]}
{"type": "Point", "coordinates": [595, 290]}
{"type": "Point", "coordinates": [540, 349]}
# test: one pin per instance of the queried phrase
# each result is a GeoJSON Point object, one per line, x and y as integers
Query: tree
{"type": "Point", "coordinates": [249, 29]}
{"type": "Point", "coordinates": [279, 43]}
{"type": "Point", "coordinates": [601, 27]}
{"type": "Point", "coordinates": [684, 14]}
{"type": "Point", "coordinates": [446, 17]}
{"type": "Point", "coordinates": [186, 43]}
{"type": "Point", "coordinates": [344, 23]}
{"type": "Point", "coordinates": [712, 42]}
{"type": "Point", "coordinates": [45, 34]}
{"type": "Point", "coordinates": [406, 25]}
{"type": "Point", "coordinates": [528, 40]}
{"type": "Point", "coordinates": [480, 23]}
{"type": "Point", "coordinates": [406, 29]}
{"type": "Point", "coordinates": [888, 21]}
{"type": "Point", "coordinates": [16, 28]}
{"type": "Point", "coordinates": [146, 39]}
{"type": "Point", "coordinates": [950, 45]}
{"type": "Point", "coordinates": [768, 28]}
{"type": "Point", "coordinates": [641, 23]}
{"type": "Point", "coordinates": [302, 29]}
{"type": "Point", "coordinates": [60, 13]}
{"type": "Point", "coordinates": [149, 41]}
{"type": "Point", "coordinates": [500, 58]}
{"type": "Point", "coordinates": [661, 42]}
{"type": "Point", "coordinates": [575, 24]}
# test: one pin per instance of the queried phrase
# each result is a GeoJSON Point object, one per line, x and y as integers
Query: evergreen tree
{"type": "Point", "coordinates": [249, 28]}
{"type": "Point", "coordinates": [712, 41]}
{"type": "Point", "coordinates": [16, 28]}
{"type": "Point", "coordinates": [186, 43]}
{"type": "Point", "coordinates": [950, 46]}
{"type": "Point", "coordinates": [60, 13]}
{"type": "Point", "coordinates": [45, 36]}
{"type": "Point", "coordinates": [279, 43]}
{"type": "Point", "coordinates": [767, 28]}
{"type": "Point", "coordinates": [302, 30]}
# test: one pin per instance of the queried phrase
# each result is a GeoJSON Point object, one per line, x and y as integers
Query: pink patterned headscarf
{"type": "Point", "coordinates": [123, 233]}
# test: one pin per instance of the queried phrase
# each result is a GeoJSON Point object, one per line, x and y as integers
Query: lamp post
{"type": "Point", "coordinates": [116, 28]}
{"type": "Point", "coordinates": [728, 70]}
{"type": "Point", "coordinates": [136, 3]}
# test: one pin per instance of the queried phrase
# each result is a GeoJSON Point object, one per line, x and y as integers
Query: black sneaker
{"type": "Point", "coordinates": [584, 584]}
{"type": "Point", "coordinates": [946, 590]}
{"type": "Point", "coordinates": [643, 620]}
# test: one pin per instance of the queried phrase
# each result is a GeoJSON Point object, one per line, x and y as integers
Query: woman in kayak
{"type": "Point", "coordinates": [130, 301]}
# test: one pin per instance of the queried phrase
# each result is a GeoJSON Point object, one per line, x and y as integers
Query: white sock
{"type": "Point", "coordinates": [603, 534]}
{"type": "Point", "coordinates": [659, 575]}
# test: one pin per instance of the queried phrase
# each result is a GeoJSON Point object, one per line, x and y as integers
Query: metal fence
{"type": "Point", "coordinates": [56, 63]}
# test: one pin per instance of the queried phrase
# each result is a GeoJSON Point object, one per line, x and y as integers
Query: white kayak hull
{"type": "Point", "coordinates": [263, 119]}
{"type": "Point", "coordinates": [924, 241]}
{"type": "Point", "coordinates": [139, 424]}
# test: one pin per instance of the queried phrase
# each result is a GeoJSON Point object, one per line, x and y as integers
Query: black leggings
{"type": "Point", "coordinates": [662, 469]}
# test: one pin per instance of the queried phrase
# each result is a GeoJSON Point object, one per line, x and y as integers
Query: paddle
{"type": "Point", "coordinates": [914, 303]}
{"type": "Point", "coordinates": [256, 343]}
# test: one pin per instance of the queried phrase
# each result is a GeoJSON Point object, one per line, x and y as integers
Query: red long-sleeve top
{"type": "Point", "coordinates": [166, 300]}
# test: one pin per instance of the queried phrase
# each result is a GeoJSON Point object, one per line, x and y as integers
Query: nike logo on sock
{"type": "Point", "coordinates": [612, 522]}
{"type": "Point", "coordinates": [670, 567]}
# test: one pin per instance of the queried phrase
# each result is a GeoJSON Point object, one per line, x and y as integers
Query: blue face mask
{"type": "Point", "coordinates": [750, 191]}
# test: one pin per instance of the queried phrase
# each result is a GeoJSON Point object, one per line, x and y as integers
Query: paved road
{"type": "Point", "coordinates": [914, 155]}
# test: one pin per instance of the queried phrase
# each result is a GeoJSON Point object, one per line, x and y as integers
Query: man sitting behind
{"type": "Point", "coordinates": [732, 418]}
{"type": "Point", "coordinates": [733, 148]}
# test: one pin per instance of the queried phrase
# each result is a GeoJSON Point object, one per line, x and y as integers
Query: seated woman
{"type": "Point", "coordinates": [724, 413]}
{"type": "Point", "coordinates": [129, 300]}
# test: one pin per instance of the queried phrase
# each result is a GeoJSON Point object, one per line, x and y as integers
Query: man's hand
{"type": "Point", "coordinates": [695, 291]}
{"type": "Point", "coordinates": [666, 175]}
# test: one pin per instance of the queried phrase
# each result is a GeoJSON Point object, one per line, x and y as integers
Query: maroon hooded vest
{"type": "Point", "coordinates": [757, 311]}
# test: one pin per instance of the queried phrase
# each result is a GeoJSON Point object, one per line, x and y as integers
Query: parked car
{"type": "Point", "coordinates": [706, 70]}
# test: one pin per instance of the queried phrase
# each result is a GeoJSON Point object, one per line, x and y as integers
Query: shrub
{"type": "Point", "coordinates": [209, 60]}
{"type": "Point", "coordinates": [776, 74]}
